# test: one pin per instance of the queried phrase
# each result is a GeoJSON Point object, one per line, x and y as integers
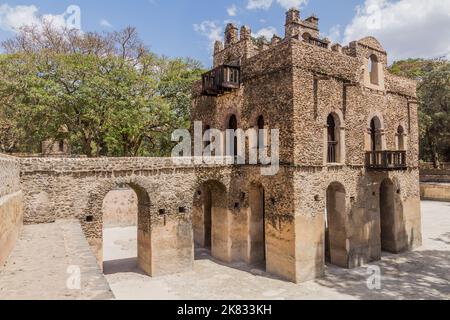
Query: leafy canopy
{"type": "Point", "coordinates": [112, 95]}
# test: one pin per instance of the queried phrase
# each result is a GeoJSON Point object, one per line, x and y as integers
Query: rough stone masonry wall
{"type": "Point", "coordinates": [11, 205]}
{"type": "Point", "coordinates": [76, 188]}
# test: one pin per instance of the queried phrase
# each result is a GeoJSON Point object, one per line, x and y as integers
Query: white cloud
{"type": "Point", "coordinates": [232, 11]}
{"type": "Point", "coordinates": [14, 18]}
{"type": "Point", "coordinates": [209, 29]}
{"type": "Point", "coordinates": [259, 4]}
{"type": "Point", "coordinates": [288, 4]}
{"type": "Point", "coordinates": [334, 34]}
{"type": "Point", "coordinates": [105, 23]}
{"type": "Point", "coordinates": [406, 28]}
{"type": "Point", "coordinates": [265, 32]}
{"type": "Point", "coordinates": [266, 4]}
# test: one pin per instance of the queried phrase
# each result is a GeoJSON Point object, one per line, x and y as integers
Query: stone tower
{"type": "Point", "coordinates": [348, 186]}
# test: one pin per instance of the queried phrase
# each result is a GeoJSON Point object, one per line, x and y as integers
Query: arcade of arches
{"type": "Point", "coordinates": [274, 223]}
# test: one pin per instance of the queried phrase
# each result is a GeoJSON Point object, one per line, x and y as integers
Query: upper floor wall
{"type": "Point", "coordinates": [298, 82]}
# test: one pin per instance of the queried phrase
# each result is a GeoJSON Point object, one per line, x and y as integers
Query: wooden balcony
{"type": "Point", "coordinates": [222, 79]}
{"type": "Point", "coordinates": [317, 42]}
{"type": "Point", "coordinates": [386, 160]}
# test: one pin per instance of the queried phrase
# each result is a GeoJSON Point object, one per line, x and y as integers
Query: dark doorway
{"type": "Point", "coordinates": [335, 226]}
{"type": "Point", "coordinates": [257, 230]}
{"type": "Point", "coordinates": [387, 216]}
{"type": "Point", "coordinates": [233, 125]}
{"type": "Point", "coordinates": [207, 209]}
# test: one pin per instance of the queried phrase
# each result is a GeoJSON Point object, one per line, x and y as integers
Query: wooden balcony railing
{"type": "Point", "coordinates": [220, 80]}
{"type": "Point", "coordinates": [317, 42]}
{"type": "Point", "coordinates": [332, 152]}
{"type": "Point", "coordinates": [386, 160]}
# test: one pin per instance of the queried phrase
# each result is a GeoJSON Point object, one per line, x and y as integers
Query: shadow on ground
{"type": "Point", "coordinates": [423, 274]}
{"type": "Point", "coordinates": [122, 266]}
{"type": "Point", "coordinates": [256, 269]}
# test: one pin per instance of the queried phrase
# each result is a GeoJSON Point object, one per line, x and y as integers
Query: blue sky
{"type": "Point", "coordinates": [187, 27]}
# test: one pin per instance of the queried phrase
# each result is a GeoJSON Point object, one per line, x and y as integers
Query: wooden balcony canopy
{"type": "Point", "coordinates": [386, 160]}
{"type": "Point", "coordinates": [222, 79]}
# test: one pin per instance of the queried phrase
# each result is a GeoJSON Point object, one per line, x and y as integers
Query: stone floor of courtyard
{"type": "Point", "coordinates": [422, 274]}
{"type": "Point", "coordinates": [47, 262]}
{"type": "Point", "coordinates": [38, 266]}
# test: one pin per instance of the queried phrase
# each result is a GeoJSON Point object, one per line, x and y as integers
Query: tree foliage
{"type": "Point", "coordinates": [113, 95]}
{"type": "Point", "coordinates": [434, 110]}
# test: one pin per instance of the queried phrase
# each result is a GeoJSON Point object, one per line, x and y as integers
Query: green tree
{"type": "Point", "coordinates": [434, 110]}
{"type": "Point", "coordinates": [115, 97]}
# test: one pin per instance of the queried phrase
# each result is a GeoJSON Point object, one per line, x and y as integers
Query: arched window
{"type": "Point", "coordinates": [207, 136]}
{"type": "Point", "coordinates": [373, 70]}
{"type": "Point", "coordinates": [261, 126]}
{"type": "Point", "coordinates": [375, 135]}
{"type": "Point", "coordinates": [306, 36]}
{"type": "Point", "coordinates": [61, 146]}
{"type": "Point", "coordinates": [401, 139]}
{"type": "Point", "coordinates": [333, 140]}
{"type": "Point", "coordinates": [233, 125]}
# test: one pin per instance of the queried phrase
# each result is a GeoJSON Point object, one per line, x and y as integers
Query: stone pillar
{"type": "Point", "coordinates": [275, 39]}
{"type": "Point", "coordinates": [336, 48]}
{"type": "Point", "coordinates": [218, 46]}
{"type": "Point", "coordinates": [245, 33]}
{"type": "Point", "coordinates": [292, 26]}
{"type": "Point", "coordinates": [231, 35]}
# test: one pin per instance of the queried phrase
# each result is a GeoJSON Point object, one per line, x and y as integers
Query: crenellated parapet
{"type": "Point", "coordinates": [364, 62]}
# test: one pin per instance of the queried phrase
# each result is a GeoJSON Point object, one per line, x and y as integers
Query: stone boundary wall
{"type": "Point", "coordinates": [56, 189]}
{"type": "Point", "coordinates": [428, 174]}
{"type": "Point", "coordinates": [435, 191]}
{"type": "Point", "coordinates": [11, 205]}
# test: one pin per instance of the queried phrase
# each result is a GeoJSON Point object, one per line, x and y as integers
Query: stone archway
{"type": "Point", "coordinates": [94, 223]}
{"type": "Point", "coordinates": [387, 216]}
{"type": "Point", "coordinates": [256, 226]}
{"type": "Point", "coordinates": [211, 220]}
{"type": "Point", "coordinates": [336, 252]}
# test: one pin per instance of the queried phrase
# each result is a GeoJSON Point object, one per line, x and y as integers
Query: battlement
{"type": "Point", "coordinates": [364, 62]}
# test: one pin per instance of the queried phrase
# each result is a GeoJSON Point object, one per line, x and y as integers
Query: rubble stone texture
{"type": "Point", "coordinates": [278, 222]}
{"type": "Point", "coordinates": [53, 261]}
{"type": "Point", "coordinates": [11, 205]}
{"type": "Point", "coordinates": [295, 84]}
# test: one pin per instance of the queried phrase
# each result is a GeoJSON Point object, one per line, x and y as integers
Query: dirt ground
{"type": "Point", "coordinates": [422, 274]}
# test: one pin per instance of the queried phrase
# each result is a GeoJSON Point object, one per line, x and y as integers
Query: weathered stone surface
{"type": "Point", "coordinates": [11, 205]}
{"type": "Point", "coordinates": [47, 263]}
{"type": "Point", "coordinates": [295, 84]}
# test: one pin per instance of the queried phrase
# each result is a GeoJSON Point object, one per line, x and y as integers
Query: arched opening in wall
{"type": "Point", "coordinates": [233, 125]}
{"type": "Point", "coordinates": [257, 229]}
{"type": "Point", "coordinates": [126, 223]}
{"type": "Point", "coordinates": [261, 143]}
{"type": "Point", "coordinates": [335, 226]}
{"type": "Point", "coordinates": [401, 139]}
{"type": "Point", "coordinates": [333, 124]}
{"type": "Point", "coordinates": [209, 220]}
{"type": "Point", "coordinates": [61, 146]}
{"type": "Point", "coordinates": [306, 37]}
{"type": "Point", "coordinates": [207, 136]}
{"type": "Point", "coordinates": [373, 70]}
{"type": "Point", "coordinates": [387, 215]}
{"type": "Point", "coordinates": [376, 143]}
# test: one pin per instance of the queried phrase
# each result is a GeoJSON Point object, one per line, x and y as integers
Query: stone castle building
{"type": "Point", "coordinates": [347, 188]}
